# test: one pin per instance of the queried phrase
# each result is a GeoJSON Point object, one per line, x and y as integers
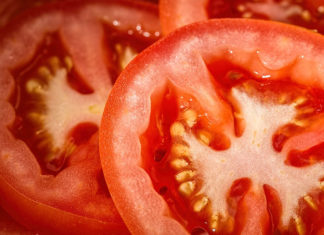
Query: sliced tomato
{"type": "Point", "coordinates": [58, 63]}
{"type": "Point", "coordinates": [205, 132]}
{"type": "Point", "coordinates": [308, 13]}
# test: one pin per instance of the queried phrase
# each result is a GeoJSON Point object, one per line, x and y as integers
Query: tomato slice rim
{"type": "Point", "coordinates": [130, 105]}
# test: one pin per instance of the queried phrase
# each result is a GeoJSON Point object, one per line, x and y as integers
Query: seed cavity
{"type": "Point", "coordinates": [159, 154]}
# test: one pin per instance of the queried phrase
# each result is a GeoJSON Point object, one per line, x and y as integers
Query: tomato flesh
{"type": "Point", "coordinates": [170, 162]}
{"type": "Point", "coordinates": [53, 94]}
{"type": "Point", "coordinates": [34, 84]}
{"type": "Point", "coordinates": [215, 109]}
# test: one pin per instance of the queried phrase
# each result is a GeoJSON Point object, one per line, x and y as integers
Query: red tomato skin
{"type": "Point", "coordinates": [142, 208]}
{"type": "Point", "coordinates": [42, 216]}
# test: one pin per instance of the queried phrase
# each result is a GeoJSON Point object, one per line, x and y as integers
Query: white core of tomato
{"type": "Point", "coordinates": [66, 108]}
{"type": "Point", "coordinates": [253, 156]}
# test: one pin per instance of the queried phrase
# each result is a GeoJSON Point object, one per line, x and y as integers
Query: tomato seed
{"type": "Point", "coordinates": [300, 226]}
{"type": "Point", "coordinates": [187, 188]}
{"type": "Point", "coordinates": [200, 204]}
{"type": "Point", "coordinates": [179, 163]}
{"type": "Point", "coordinates": [185, 175]}
{"type": "Point", "coordinates": [310, 201]}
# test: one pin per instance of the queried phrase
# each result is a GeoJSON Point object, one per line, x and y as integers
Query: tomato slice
{"type": "Point", "coordinates": [308, 13]}
{"type": "Point", "coordinates": [58, 63]}
{"type": "Point", "coordinates": [218, 128]}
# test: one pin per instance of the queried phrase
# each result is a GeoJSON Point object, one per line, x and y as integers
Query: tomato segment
{"type": "Point", "coordinates": [308, 14]}
{"type": "Point", "coordinates": [52, 97]}
{"type": "Point", "coordinates": [212, 131]}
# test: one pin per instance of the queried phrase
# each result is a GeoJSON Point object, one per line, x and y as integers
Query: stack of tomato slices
{"type": "Point", "coordinates": [217, 128]}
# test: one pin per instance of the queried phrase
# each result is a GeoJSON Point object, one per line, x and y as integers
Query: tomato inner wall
{"type": "Point", "coordinates": [308, 14]}
{"type": "Point", "coordinates": [166, 107]}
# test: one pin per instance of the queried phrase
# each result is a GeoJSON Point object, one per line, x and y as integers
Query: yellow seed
{"type": "Point", "coordinates": [33, 86]}
{"type": "Point", "coordinates": [299, 101]}
{"type": "Point", "coordinates": [68, 62]}
{"type": "Point", "coordinates": [247, 15]}
{"type": "Point", "coordinates": [54, 63]}
{"type": "Point", "coordinates": [300, 227]}
{"type": "Point", "coordinates": [310, 201]}
{"type": "Point", "coordinates": [320, 9]}
{"type": "Point", "coordinates": [214, 222]}
{"type": "Point", "coordinates": [95, 109]}
{"type": "Point", "coordinates": [241, 8]}
{"type": "Point", "coordinates": [190, 116]}
{"type": "Point", "coordinates": [126, 57]}
{"type": "Point", "coordinates": [180, 150]}
{"type": "Point", "coordinates": [69, 147]}
{"type": "Point", "coordinates": [306, 15]}
{"type": "Point", "coordinates": [179, 163]}
{"type": "Point", "coordinates": [200, 204]}
{"type": "Point", "coordinates": [322, 185]}
{"type": "Point", "coordinates": [300, 123]}
{"type": "Point", "coordinates": [44, 72]}
{"type": "Point", "coordinates": [204, 137]}
{"type": "Point", "coordinates": [36, 117]}
{"type": "Point", "coordinates": [185, 175]}
{"type": "Point", "coordinates": [186, 188]}
{"type": "Point", "coordinates": [118, 48]}
{"type": "Point", "coordinates": [177, 129]}
{"type": "Point", "coordinates": [282, 99]}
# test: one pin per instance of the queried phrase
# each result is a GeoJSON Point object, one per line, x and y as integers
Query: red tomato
{"type": "Point", "coordinates": [8, 226]}
{"type": "Point", "coordinates": [218, 128]}
{"type": "Point", "coordinates": [57, 66]}
{"type": "Point", "coordinates": [307, 13]}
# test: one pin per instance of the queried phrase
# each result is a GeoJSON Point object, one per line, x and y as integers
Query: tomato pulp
{"type": "Point", "coordinates": [307, 13]}
{"type": "Point", "coordinates": [226, 132]}
{"type": "Point", "coordinates": [58, 63]}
